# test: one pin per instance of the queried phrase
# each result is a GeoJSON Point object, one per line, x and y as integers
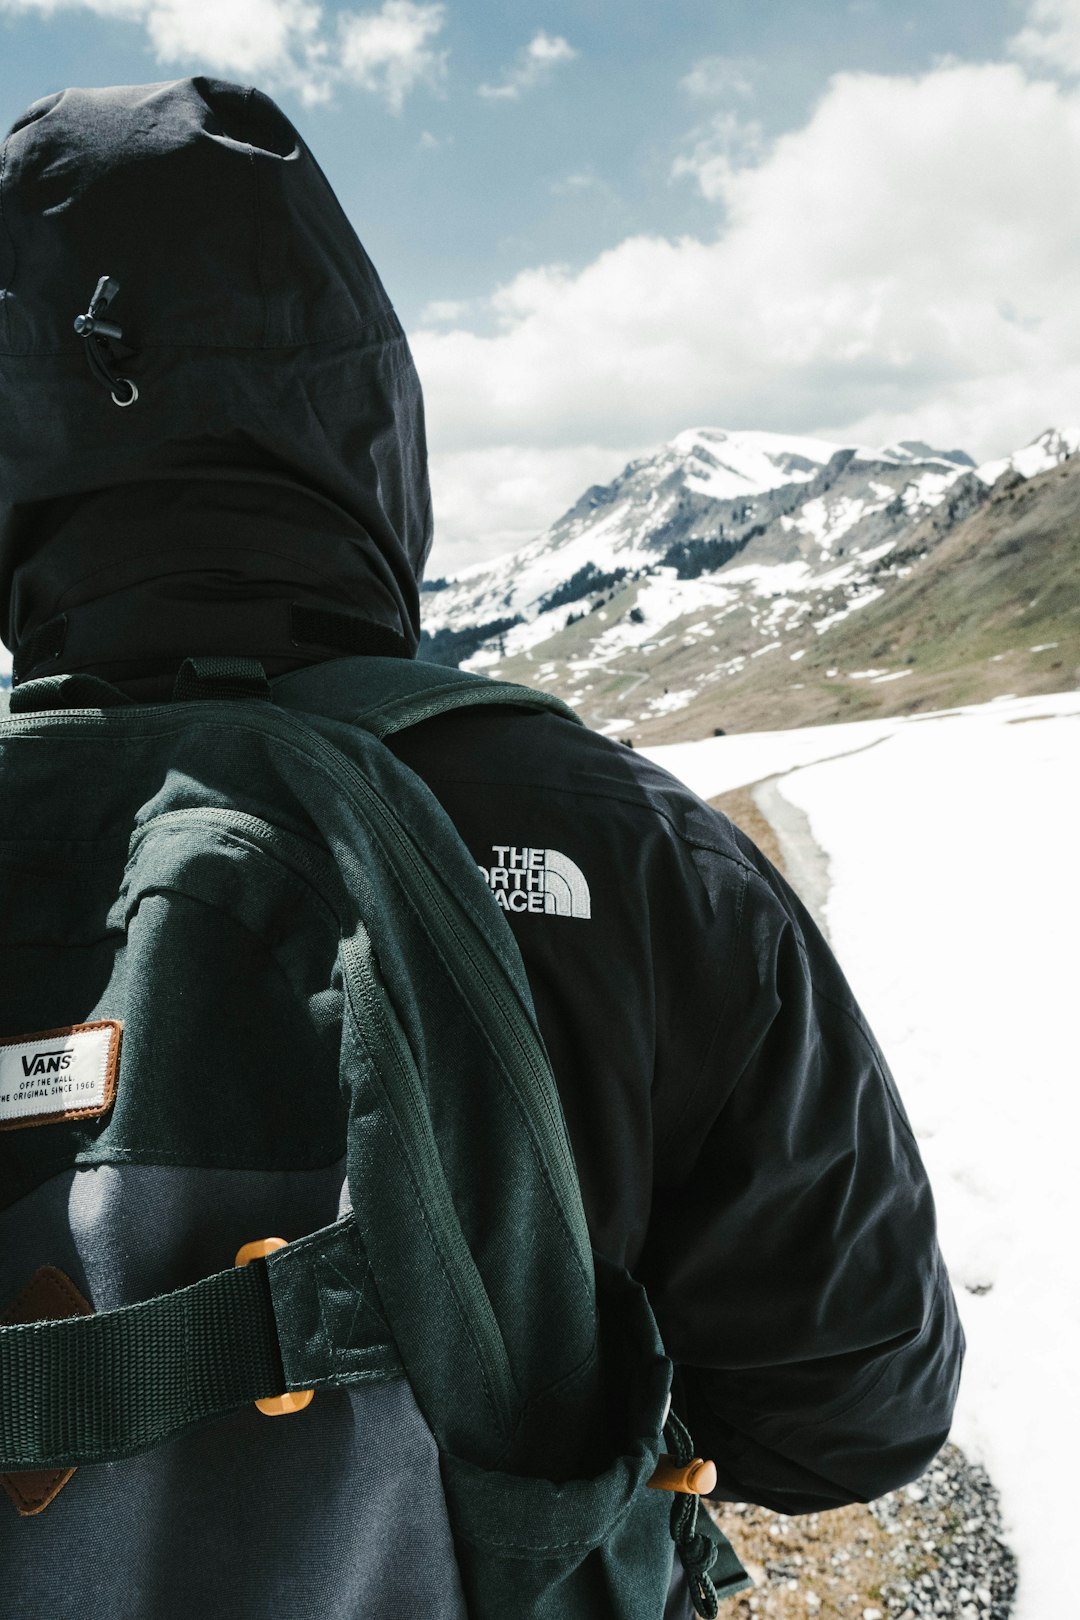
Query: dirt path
{"type": "Point", "coordinates": [741, 807]}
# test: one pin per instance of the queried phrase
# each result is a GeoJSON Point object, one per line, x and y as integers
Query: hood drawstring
{"type": "Point", "coordinates": [99, 336]}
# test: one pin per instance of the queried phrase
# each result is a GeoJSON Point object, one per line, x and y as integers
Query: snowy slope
{"type": "Point", "coordinates": [1038, 456]}
{"type": "Point", "coordinates": [727, 466]}
{"type": "Point", "coordinates": [954, 884]}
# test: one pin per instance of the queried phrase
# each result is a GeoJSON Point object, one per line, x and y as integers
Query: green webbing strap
{"type": "Point", "coordinates": [94, 1389]}
{"type": "Point", "coordinates": [399, 713]}
{"type": "Point", "coordinates": [386, 695]}
{"type": "Point", "coordinates": [220, 677]}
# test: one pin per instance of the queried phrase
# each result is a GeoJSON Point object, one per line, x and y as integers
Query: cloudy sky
{"type": "Point", "coordinates": [603, 224]}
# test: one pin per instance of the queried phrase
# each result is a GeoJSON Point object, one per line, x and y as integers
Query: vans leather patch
{"type": "Point", "coordinates": [49, 1296]}
{"type": "Point", "coordinates": [59, 1074]}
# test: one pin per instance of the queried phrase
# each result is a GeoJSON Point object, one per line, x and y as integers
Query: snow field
{"type": "Point", "coordinates": [954, 867]}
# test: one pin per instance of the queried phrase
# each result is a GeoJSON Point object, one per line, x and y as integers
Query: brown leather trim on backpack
{"type": "Point", "coordinates": [115, 1026]}
{"type": "Point", "coordinates": [49, 1296]}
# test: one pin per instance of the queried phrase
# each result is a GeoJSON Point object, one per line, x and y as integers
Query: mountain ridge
{"type": "Point", "coordinates": [718, 553]}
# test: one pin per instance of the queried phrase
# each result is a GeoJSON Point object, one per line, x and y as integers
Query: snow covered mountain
{"type": "Point", "coordinates": [720, 549]}
{"type": "Point", "coordinates": [695, 504]}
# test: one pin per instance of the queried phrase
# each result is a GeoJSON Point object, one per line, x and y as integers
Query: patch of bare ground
{"type": "Point", "coordinates": [829, 1566]}
{"type": "Point", "coordinates": [739, 807]}
{"type": "Point", "coordinates": [931, 1549]}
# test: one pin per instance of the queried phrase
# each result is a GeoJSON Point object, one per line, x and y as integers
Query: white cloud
{"type": "Point", "coordinates": [902, 266]}
{"type": "Point", "coordinates": [441, 310]}
{"type": "Point", "coordinates": [720, 147]}
{"type": "Point", "coordinates": [534, 62]}
{"type": "Point", "coordinates": [713, 77]}
{"type": "Point", "coordinates": [1052, 36]}
{"type": "Point", "coordinates": [389, 51]}
{"type": "Point", "coordinates": [492, 500]}
{"type": "Point", "coordinates": [726, 141]}
{"type": "Point", "coordinates": [286, 44]}
{"type": "Point", "coordinates": [246, 36]}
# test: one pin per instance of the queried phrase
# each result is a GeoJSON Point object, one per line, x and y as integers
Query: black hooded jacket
{"type": "Point", "coordinates": [740, 1141]}
{"type": "Point", "coordinates": [269, 484]}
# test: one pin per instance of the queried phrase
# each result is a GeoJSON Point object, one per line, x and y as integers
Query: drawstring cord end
{"type": "Point", "coordinates": [711, 1565]}
{"type": "Point", "coordinates": [99, 335]}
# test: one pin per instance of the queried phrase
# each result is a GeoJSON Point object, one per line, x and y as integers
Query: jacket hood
{"type": "Point", "coordinates": [266, 491]}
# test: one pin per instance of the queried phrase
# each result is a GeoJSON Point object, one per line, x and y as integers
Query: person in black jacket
{"type": "Point", "coordinates": [241, 467]}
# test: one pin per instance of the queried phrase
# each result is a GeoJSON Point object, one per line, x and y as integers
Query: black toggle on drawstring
{"type": "Point", "coordinates": [99, 336]}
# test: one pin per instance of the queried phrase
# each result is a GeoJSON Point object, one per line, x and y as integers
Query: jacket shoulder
{"type": "Point", "coordinates": [586, 773]}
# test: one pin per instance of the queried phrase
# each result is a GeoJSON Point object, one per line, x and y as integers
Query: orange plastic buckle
{"type": "Point", "coordinates": [698, 1478]}
{"type": "Point", "coordinates": [294, 1400]}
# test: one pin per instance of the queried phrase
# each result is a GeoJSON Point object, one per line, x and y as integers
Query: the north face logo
{"type": "Point", "coordinates": [537, 880]}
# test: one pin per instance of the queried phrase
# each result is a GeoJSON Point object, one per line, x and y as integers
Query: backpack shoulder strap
{"type": "Point", "coordinates": [384, 695]}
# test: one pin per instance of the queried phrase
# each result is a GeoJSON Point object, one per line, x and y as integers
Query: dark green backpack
{"type": "Point", "coordinates": [244, 957]}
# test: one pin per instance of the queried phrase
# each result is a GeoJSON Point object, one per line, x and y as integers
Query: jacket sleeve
{"type": "Point", "coordinates": [792, 1257]}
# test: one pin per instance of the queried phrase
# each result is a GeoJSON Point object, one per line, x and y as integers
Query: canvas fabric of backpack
{"type": "Point", "coordinates": [263, 948]}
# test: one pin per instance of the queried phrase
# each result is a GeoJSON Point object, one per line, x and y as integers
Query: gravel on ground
{"type": "Point", "coordinates": [931, 1551]}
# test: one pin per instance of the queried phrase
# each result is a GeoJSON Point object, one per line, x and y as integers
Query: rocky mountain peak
{"type": "Point", "coordinates": [716, 551]}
